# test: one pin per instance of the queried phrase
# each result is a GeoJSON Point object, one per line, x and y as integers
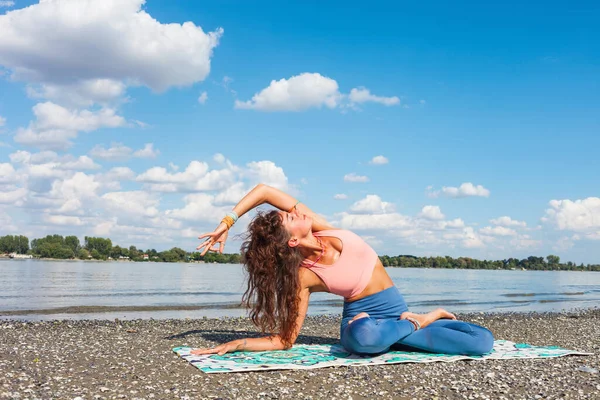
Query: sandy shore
{"type": "Point", "coordinates": [133, 360]}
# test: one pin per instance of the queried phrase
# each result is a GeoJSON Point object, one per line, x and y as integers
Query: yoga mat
{"type": "Point", "coordinates": [320, 356]}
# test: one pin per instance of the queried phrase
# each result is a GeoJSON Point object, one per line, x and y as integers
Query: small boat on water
{"type": "Point", "coordinates": [20, 256]}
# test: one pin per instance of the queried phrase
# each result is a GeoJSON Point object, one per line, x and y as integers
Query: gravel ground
{"type": "Point", "coordinates": [133, 360]}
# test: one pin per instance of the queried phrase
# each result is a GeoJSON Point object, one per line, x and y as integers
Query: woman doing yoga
{"type": "Point", "coordinates": [292, 252]}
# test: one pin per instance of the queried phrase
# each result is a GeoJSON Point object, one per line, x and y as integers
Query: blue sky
{"type": "Point", "coordinates": [144, 122]}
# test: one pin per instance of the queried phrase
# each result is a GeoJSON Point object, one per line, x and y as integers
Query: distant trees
{"type": "Point", "coordinates": [52, 246]}
{"type": "Point", "coordinates": [101, 246]}
{"type": "Point", "coordinates": [57, 246]}
{"type": "Point", "coordinates": [14, 244]}
{"type": "Point", "coordinates": [533, 263]}
{"type": "Point", "coordinates": [217, 258]}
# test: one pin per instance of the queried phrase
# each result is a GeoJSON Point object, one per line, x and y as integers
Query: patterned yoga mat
{"type": "Point", "coordinates": [320, 356]}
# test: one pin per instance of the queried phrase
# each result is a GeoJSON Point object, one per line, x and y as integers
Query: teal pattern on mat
{"type": "Point", "coordinates": [319, 356]}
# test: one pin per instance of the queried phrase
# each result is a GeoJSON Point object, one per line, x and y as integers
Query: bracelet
{"type": "Point", "coordinates": [233, 216]}
{"type": "Point", "coordinates": [227, 220]}
{"type": "Point", "coordinates": [291, 209]}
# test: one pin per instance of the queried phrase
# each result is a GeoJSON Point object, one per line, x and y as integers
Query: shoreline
{"type": "Point", "coordinates": [133, 359]}
{"type": "Point", "coordinates": [241, 265]}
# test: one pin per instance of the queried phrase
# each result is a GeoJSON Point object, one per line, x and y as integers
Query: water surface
{"type": "Point", "coordinates": [39, 290]}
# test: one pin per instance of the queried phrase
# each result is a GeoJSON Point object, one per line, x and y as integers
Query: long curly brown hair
{"type": "Point", "coordinates": [273, 281]}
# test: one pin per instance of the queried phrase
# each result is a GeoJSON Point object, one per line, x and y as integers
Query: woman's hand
{"type": "Point", "coordinates": [220, 349]}
{"type": "Point", "coordinates": [218, 236]}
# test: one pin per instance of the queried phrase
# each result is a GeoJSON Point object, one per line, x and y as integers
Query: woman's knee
{"type": "Point", "coordinates": [482, 343]}
{"type": "Point", "coordinates": [362, 336]}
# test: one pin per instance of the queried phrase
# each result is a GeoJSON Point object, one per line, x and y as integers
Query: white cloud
{"type": "Point", "coordinates": [581, 216]}
{"type": "Point", "coordinates": [82, 41]}
{"type": "Point", "coordinates": [147, 152]}
{"type": "Point", "coordinates": [564, 243]}
{"type": "Point", "coordinates": [136, 203]}
{"type": "Point", "coordinates": [231, 195]}
{"type": "Point", "coordinates": [112, 179]}
{"type": "Point", "coordinates": [198, 207]}
{"type": "Point", "coordinates": [267, 172]}
{"type": "Point", "coordinates": [196, 177]}
{"type": "Point", "coordinates": [63, 220]}
{"type": "Point", "coordinates": [2, 121]}
{"type": "Point", "coordinates": [8, 174]}
{"type": "Point", "coordinates": [467, 189]}
{"type": "Point", "coordinates": [220, 158]}
{"type": "Point", "coordinates": [7, 224]}
{"type": "Point", "coordinates": [298, 93]}
{"type": "Point", "coordinates": [432, 213]}
{"type": "Point", "coordinates": [471, 240]}
{"type": "Point", "coordinates": [363, 95]}
{"type": "Point", "coordinates": [203, 97]}
{"type": "Point", "coordinates": [508, 221]}
{"type": "Point", "coordinates": [525, 242]}
{"type": "Point", "coordinates": [309, 90]}
{"type": "Point", "coordinates": [498, 231]}
{"type": "Point", "coordinates": [379, 160]}
{"type": "Point", "coordinates": [352, 177]}
{"type": "Point", "coordinates": [374, 221]}
{"type": "Point", "coordinates": [116, 152]}
{"type": "Point", "coordinates": [12, 197]}
{"type": "Point", "coordinates": [452, 224]}
{"type": "Point", "coordinates": [69, 162]}
{"type": "Point", "coordinates": [173, 167]}
{"type": "Point", "coordinates": [7, 3]}
{"type": "Point", "coordinates": [372, 204]}
{"type": "Point", "coordinates": [55, 125]}
{"type": "Point", "coordinates": [78, 186]}
{"type": "Point", "coordinates": [340, 196]}
{"type": "Point", "coordinates": [80, 94]}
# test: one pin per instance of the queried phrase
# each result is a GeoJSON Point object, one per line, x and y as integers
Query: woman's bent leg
{"type": "Point", "coordinates": [372, 336]}
{"type": "Point", "coordinates": [451, 337]}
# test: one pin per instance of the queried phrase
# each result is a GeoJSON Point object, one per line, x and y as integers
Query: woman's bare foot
{"type": "Point", "coordinates": [426, 319]}
{"type": "Point", "coordinates": [358, 316]}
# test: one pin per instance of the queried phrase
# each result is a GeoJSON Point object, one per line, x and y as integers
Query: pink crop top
{"type": "Point", "coordinates": [351, 272]}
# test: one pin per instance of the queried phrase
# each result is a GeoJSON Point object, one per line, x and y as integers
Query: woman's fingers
{"type": "Point", "coordinates": [199, 352]}
{"type": "Point", "coordinates": [205, 243]}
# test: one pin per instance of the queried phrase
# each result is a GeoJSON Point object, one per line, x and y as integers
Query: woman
{"type": "Point", "coordinates": [292, 252]}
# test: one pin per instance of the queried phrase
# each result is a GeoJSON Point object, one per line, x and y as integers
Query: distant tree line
{"type": "Point", "coordinates": [69, 247]}
{"type": "Point", "coordinates": [14, 244]}
{"type": "Point", "coordinates": [550, 263]}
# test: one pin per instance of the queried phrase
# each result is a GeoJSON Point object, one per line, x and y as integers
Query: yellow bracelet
{"type": "Point", "coordinates": [227, 220]}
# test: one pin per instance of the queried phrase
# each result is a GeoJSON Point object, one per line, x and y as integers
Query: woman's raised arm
{"type": "Point", "coordinates": [259, 195]}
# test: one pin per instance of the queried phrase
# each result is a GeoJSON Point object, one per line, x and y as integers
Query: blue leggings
{"type": "Point", "coordinates": [383, 329]}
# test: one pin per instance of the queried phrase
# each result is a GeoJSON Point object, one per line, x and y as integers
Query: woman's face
{"type": "Point", "coordinates": [296, 224]}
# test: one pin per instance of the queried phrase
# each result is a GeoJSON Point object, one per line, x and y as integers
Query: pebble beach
{"type": "Point", "coordinates": [96, 359]}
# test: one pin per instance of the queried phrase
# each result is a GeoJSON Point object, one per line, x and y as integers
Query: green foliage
{"type": "Point", "coordinates": [117, 251]}
{"type": "Point", "coordinates": [217, 258]}
{"type": "Point", "coordinates": [101, 245]}
{"type": "Point", "coordinates": [72, 242]}
{"type": "Point", "coordinates": [14, 244]}
{"type": "Point", "coordinates": [529, 263]}
{"type": "Point", "coordinates": [54, 246]}
{"type": "Point", "coordinates": [96, 254]}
